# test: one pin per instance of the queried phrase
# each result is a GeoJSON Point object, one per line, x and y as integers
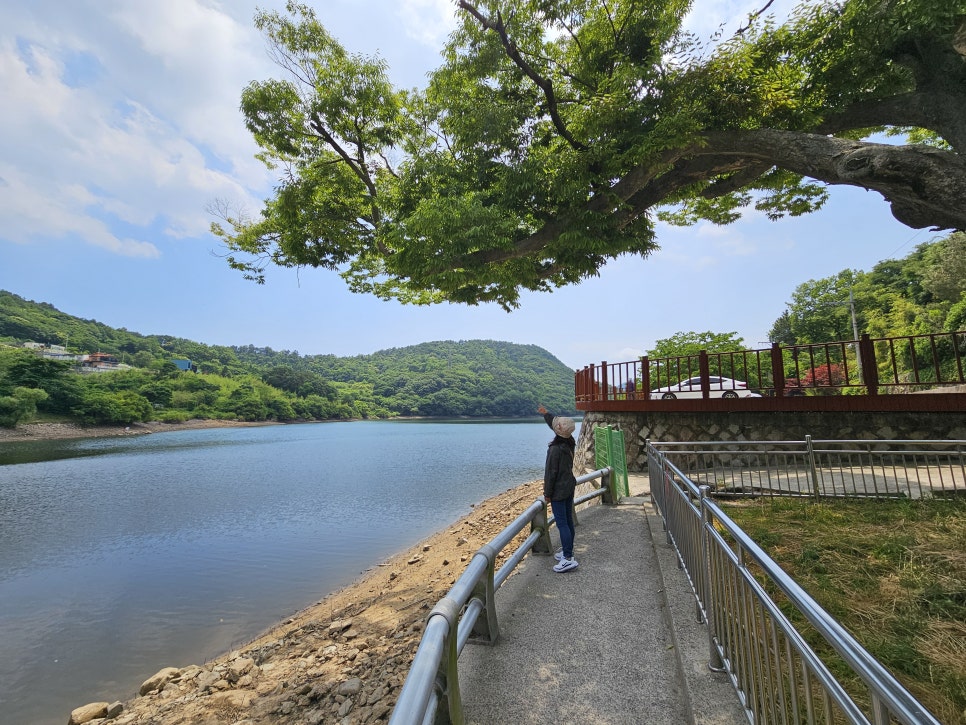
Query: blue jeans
{"type": "Point", "coordinates": [563, 517]}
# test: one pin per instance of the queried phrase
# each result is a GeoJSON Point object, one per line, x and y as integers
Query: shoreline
{"type": "Point", "coordinates": [343, 659]}
{"type": "Point", "coordinates": [67, 431]}
{"type": "Point", "coordinates": [41, 431]}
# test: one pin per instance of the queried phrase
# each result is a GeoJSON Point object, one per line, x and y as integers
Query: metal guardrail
{"type": "Point", "coordinates": [468, 613]}
{"type": "Point", "coordinates": [777, 675]}
{"type": "Point", "coordinates": [824, 468]}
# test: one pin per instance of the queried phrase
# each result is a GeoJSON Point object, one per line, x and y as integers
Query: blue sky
{"type": "Point", "coordinates": [121, 125]}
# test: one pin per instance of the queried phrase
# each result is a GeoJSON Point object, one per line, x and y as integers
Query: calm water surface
{"type": "Point", "coordinates": [120, 556]}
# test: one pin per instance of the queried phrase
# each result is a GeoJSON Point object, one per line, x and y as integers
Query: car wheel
{"type": "Point", "coordinates": [669, 396]}
{"type": "Point", "coordinates": [729, 394]}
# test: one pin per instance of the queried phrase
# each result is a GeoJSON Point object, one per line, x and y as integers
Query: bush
{"type": "Point", "coordinates": [20, 406]}
{"type": "Point", "coordinates": [174, 416]}
{"type": "Point", "coordinates": [121, 408]}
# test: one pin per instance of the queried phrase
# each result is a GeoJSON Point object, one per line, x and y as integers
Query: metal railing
{"type": "Point", "coordinates": [823, 468]}
{"type": "Point", "coordinates": [468, 613]}
{"type": "Point", "coordinates": [778, 677]}
{"type": "Point", "coordinates": [867, 366]}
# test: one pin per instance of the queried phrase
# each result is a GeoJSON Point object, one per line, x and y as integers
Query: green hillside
{"type": "Point", "coordinates": [465, 378]}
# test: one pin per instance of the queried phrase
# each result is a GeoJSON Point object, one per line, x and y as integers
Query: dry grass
{"type": "Point", "coordinates": [893, 573]}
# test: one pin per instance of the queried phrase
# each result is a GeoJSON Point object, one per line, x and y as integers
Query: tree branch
{"type": "Point", "coordinates": [544, 84]}
{"type": "Point", "coordinates": [924, 186]}
{"type": "Point", "coordinates": [944, 113]}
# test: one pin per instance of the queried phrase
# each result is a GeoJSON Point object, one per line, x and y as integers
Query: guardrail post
{"type": "Point", "coordinates": [645, 377]}
{"type": "Point", "coordinates": [715, 664]}
{"type": "Point", "coordinates": [778, 370]}
{"type": "Point", "coordinates": [605, 393]}
{"type": "Point", "coordinates": [812, 469]}
{"type": "Point", "coordinates": [487, 628]}
{"type": "Point", "coordinates": [447, 678]}
{"type": "Point", "coordinates": [870, 371]}
{"type": "Point", "coordinates": [543, 545]}
{"type": "Point", "coordinates": [704, 369]}
{"type": "Point", "coordinates": [609, 481]}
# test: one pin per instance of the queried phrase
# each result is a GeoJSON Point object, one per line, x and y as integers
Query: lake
{"type": "Point", "coordinates": [120, 556]}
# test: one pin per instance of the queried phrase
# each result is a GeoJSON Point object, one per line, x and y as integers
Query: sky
{"type": "Point", "coordinates": [121, 126]}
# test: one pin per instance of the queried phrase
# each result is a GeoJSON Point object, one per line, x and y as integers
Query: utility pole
{"type": "Point", "coordinates": [855, 332]}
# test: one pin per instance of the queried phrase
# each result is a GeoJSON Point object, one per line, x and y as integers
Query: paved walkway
{"type": "Point", "coordinates": [614, 641]}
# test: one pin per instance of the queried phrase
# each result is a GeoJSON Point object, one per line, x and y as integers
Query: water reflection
{"type": "Point", "coordinates": [121, 556]}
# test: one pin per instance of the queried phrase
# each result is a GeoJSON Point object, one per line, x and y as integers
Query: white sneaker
{"type": "Point", "coordinates": [565, 565]}
{"type": "Point", "coordinates": [558, 554]}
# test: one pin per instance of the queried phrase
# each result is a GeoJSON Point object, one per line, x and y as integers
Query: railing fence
{"type": "Point", "coordinates": [468, 612]}
{"type": "Point", "coordinates": [867, 366]}
{"type": "Point", "coordinates": [824, 468]}
{"type": "Point", "coordinates": [777, 675]}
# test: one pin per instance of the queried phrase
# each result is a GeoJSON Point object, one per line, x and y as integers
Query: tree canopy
{"type": "Point", "coordinates": [553, 134]}
{"type": "Point", "coordinates": [922, 293]}
{"type": "Point", "coordinates": [473, 378]}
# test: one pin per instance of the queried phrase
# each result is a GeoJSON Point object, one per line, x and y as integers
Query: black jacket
{"type": "Point", "coordinates": [558, 474]}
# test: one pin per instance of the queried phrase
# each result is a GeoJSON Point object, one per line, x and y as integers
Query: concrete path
{"type": "Point", "coordinates": [614, 641]}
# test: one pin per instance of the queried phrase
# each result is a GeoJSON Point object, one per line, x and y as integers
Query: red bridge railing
{"type": "Point", "coordinates": [863, 367]}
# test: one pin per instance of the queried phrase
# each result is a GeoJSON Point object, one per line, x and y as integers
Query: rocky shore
{"type": "Point", "coordinates": [59, 431]}
{"type": "Point", "coordinates": [342, 660]}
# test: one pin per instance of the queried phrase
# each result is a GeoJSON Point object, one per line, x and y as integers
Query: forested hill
{"type": "Point", "coordinates": [469, 377]}
{"type": "Point", "coordinates": [465, 378]}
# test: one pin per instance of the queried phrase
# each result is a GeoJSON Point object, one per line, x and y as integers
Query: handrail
{"type": "Point", "coordinates": [433, 678]}
{"type": "Point", "coordinates": [865, 366]}
{"type": "Point", "coordinates": [715, 573]}
{"type": "Point", "coordinates": [842, 468]}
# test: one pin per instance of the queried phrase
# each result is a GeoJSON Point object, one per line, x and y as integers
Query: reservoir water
{"type": "Point", "coordinates": [120, 556]}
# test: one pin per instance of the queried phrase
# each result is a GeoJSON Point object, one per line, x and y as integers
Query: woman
{"type": "Point", "coordinates": [559, 484]}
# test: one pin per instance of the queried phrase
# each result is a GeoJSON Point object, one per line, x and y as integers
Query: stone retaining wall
{"type": "Point", "coordinates": [763, 426]}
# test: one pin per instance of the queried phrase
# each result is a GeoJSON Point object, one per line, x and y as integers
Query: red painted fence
{"type": "Point", "coordinates": [865, 368]}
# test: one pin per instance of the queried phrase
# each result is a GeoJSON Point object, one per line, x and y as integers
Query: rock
{"type": "Point", "coordinates": [345, 707]}
{"type": "Point", "coordinates": [380, 712]}
{"type": "Point", "coordinates": [234, 699]}
{"type": "Point", "coordinates": [238, 667]}
{"type": "Point", "coordinates": [339, 626]}
{"type": "Point", "coordinates": [159, 680]}
{"type": "Point", "coordinates": [314, 717]}
{"type": "Point", "coordinates": [88, 712]}
{"type": "Point", "coordinates": [114, 709]}
{"type": "Point", "coordinates": [350, 687]}
{"type": "Point", "coordinates": [207, 678]}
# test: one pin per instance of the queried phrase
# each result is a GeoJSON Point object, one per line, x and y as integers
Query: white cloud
{"type": "Point", "coordinates": [726, 240]}
{"type": "Point", "coordinates": [32, 214]}
{"type": "Point", "coordinates": [709, 16]}
{"type": "Point", "coordinates": [428, 21]}
{"type": "Point", "coordinates": [125, 117]}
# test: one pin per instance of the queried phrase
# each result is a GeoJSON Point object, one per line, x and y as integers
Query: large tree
{"type": "Point", "coordinates": [555, 132]}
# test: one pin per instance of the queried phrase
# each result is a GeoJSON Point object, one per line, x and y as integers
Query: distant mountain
{"type": "Point", "coordinates": [443, 378]}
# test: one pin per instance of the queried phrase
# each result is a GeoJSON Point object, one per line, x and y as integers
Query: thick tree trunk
{"type": "Point", "coordinates": [925, 186]}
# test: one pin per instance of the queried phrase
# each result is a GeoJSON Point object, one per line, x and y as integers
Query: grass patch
{"type": "Point", "coordinates": [893, 573]}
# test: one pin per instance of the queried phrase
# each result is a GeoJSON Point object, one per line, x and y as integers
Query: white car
{"type": "Point", "coordinates": [691, 388]}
